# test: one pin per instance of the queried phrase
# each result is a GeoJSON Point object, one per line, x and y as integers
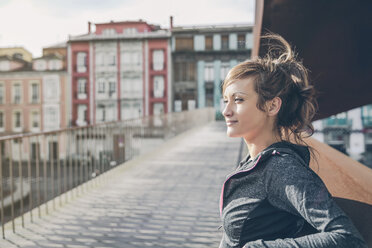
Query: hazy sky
{"type": "Point", "coordinates": [34, 24]}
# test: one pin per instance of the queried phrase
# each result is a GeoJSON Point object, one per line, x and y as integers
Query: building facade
{"type": "Point", "coordinates": [120, 71]}
{"type": "Point", "coordinates": [202, 57]}
{"type": "Point", "coordinates": [16, 52]}
{"type": "Point", "coordinates": [33, 96]}
{"type": "Point", "coordinates": [33, 99]}
{"type": "Point", "coordinates": [349, 132]}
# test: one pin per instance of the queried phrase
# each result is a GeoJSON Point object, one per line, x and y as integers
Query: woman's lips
{"type": "Point", "coordinates": [230, 123]}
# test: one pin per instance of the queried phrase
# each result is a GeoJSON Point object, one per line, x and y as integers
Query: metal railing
{"type": "Point", "coordinates": [50, 168]}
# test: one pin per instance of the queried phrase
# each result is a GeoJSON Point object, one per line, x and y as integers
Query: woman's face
{"type": "Point", "coordinates": [243, 118]}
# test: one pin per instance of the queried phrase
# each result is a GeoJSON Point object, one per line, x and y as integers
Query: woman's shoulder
{"type": "Point", "coordinates": [286, 153]}
{"type": "Point", "coordinates": [288, 161]}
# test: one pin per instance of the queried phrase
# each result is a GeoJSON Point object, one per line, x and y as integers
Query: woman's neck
{"type": "Point", "coordinates": [258, 145]}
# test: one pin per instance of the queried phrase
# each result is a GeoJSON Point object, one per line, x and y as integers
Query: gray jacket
{"type": "Point", "coordinates": [277, 201]}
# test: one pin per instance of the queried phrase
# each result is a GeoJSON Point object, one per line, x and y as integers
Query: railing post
{"type": "Point", "coordinates": [21, 178]}
{"type": "Point", "coordinates": [94, 141]}
{"type": "Point", "coordinates": [59, 168]}
{"type": "Point", "coordinates": [37, 149]}
{"type": "Point", "coordinates": [72, 164]}
{"type": "Point", "coordinates": [80, 133]}
{"type": "Point", "coordinates": [30, 178]}
{"type": "Point", "coordinates": [51, 156]}
{"type": "Point", "coordinates": [2, 191]}
{"type": "Point", "coordinates": [11, 183]}
{"type": "Point", "coordinates": [100, 155]}
{"type": "Point", "coordinates": [86, 150]}
{"type": "Point", "coordinates": [65, 175]}
{"type": "Point", "coordinates": [45, 149]}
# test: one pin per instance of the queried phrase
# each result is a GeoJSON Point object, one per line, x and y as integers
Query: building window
{"type": "Point", "coordinates": [55, 64]}
{"type": "Point", "coordinates": [184, 44]}
{"type": "Point", "coordinates": [101, 86]}
{"type": "Point", "coordinates": [224, 42]}
{"type": "Point", "coordinates": [126, 58]}
{"type": "Point", "coordinates": [81, 62]}
{"type": "Point", "coordinates": [17, 120]}
{"type": "Point", "coordinates": [4, 65]}
{"type": "Point", "coordinates": [158, 60]}
{"type": "Point", "coordinates": [109, 31]}
{"type": "Point", "coordinates": [209, 72]}
{"type": "Point", "coordinates": [34, 93]}
{"type": "Point", "coordinates": [112, 88]}
{"type": "Point", "coordinates": [184, 71]}
{"type": "Point", "coordinates": [130, 31]}
{"type": "Point", "coordinates": [51, 87]}
{"type": "Point", "coordinates": [35, 119]}
{"type": "Point", "coordinates": [209, 43]}
{"type": "Point", "coordinates": [82, 88]}
{"type": "Point", "coordinates": [35, 151]}
{"type": "Point", "coordinates": [100, 59]}
{"type": "Point", "coordinates": [101, 113]}
{"type": "Point", "coordinates": [158, 108]}
{"type": "Point", "coordinates": [82, 114]}
{"type": "Point", "coordinates": [241, 41]}
{"type": "Point", "coordinates": [367, 115]}
{"type": "Point", "coordinates": [18, 55]}
{"type": "Point", "coordinates": [209, 94]}
{"type": "Point", "coordinates": [51, 114]}
{"type": "Point", "coordinates": [225, 67]}
{"type": "Point", "coordinates": [40, 65]}
{"type": "Point", "coordinates": [82, 85]}
{"type": "Point", "coordinates": [130, 59]}
{"type": "Point", "coordinates": [51, 118]}
{"type": "Point", "coordinates": [131, 88]}
{"type": "Point", "coordinates": [1, 93]}
{"type": "Point", "coordinates": [1, 120]}
{"type": "Point", "coordinates": [16, 93]}
{"type": "Point", "coordinates": [158, 86]}
{"type": "Point", "coordinates": [111, 57]}
{"type": "Point", "coordinates": [131, 109]}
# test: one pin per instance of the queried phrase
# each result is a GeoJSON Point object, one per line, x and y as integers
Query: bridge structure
{"type": "Point", "coordinates": [120, 185]}
{"type": "Point", "coordinates": [165, 197]}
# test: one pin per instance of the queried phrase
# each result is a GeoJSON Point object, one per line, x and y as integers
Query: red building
{"type": "Point", "coordinates": [119, 71]}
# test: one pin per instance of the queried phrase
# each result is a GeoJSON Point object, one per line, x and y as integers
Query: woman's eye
{"type": "Point", "coordinates": [238, 100]}
{"type": "Point", "coordinates": [225, 101]}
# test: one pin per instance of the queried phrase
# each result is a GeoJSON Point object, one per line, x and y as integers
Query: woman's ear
{"type": "Point", "coordinates": [273, 106]}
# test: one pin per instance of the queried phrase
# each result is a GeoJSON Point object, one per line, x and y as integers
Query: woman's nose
{"type": "Point", "coordinates": [227, 112]}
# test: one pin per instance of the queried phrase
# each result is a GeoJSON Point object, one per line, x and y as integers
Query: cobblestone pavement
{"type": "Point", "coordinates": [168, 198]}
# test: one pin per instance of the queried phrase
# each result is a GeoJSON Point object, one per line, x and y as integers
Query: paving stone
{"type": "Point", "coordinates": [167, 200]}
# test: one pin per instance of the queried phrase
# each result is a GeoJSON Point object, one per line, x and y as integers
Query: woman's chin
{"type": "Point", "coordinates": [231, 134]}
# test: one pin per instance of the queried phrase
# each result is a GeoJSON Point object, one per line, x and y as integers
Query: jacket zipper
{"type": "Point", "coordinates": [223, 186]}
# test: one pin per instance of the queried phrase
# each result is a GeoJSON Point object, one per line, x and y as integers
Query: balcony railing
{"type": "Point", "coordinates": [337, 122]}
{"type": "Point", "coordinates": [367, 121]}
{"type": "Point", "coordinates": [41, 171]}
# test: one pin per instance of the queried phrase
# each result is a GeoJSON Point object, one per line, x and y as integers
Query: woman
{"type": "Point", "coordinates": [274, 199]}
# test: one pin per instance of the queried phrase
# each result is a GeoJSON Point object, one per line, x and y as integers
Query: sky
{"type": "Point", "coordinates": [34, 24]}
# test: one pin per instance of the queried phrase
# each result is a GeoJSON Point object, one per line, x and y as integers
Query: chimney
{"type": "Point", "coordinates": [89, 26]}
{"type": "Point", "coordinates": [171, 23]}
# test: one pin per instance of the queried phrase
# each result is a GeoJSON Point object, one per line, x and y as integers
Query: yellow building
{"type": "Point", "coordinates": [18, 52]}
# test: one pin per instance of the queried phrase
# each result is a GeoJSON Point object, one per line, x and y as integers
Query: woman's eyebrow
{"type": "Point", "coordinates": [235, 93]}
{"type": "Point", "coordinates": [239, 92]}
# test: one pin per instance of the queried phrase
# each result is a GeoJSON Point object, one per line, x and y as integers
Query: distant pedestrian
{"type": "Point", "coordinates": [274, 199]}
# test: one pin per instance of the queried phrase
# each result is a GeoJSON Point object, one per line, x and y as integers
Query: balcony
{"type": "Point", "coordinates": [337, 122]}
{"type": "Point", "coordinates": [367, 116]}
{"type": "Point", "coordinates": [367, 121]}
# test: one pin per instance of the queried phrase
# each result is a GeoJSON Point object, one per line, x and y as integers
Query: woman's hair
{"type": "Point", "coordinates": [280, 74]}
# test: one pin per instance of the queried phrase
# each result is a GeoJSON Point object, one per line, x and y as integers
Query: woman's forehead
{"type": "Point", "coordinates": [243, 86]}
